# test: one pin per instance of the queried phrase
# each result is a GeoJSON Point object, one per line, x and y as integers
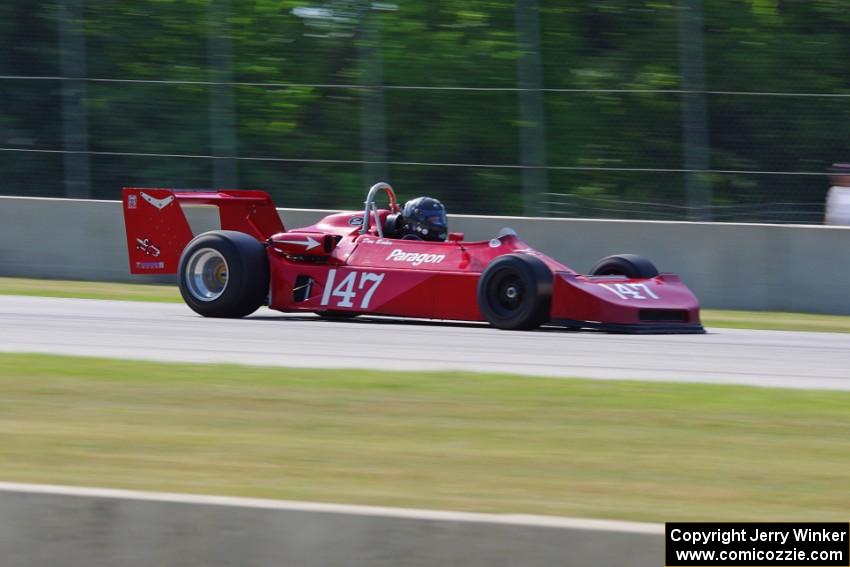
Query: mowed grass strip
{"type": "Point", "coordinates": [169, 293]}
{"type": "Point", "coordinates": [90, 290]}
{"type": "Point", "coordinates": [775, 321]}
{"type": "Point", "coordinates": [481, 442]}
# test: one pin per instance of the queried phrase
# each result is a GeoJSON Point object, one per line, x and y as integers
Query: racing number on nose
{"type": "Point", "coordinates": [631, 291]}
{"type": "Point", "coordinates": [346, 290]}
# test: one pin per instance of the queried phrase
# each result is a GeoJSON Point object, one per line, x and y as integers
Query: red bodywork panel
{"type": "Point", "coordinates": [392, 277]}
{"type": "Point", "coordinates": [331, 266]}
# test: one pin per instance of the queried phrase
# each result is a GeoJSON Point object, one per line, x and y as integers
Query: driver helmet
{"type": "Point", "coordinates": [426, 218]}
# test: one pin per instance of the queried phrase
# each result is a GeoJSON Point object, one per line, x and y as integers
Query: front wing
{"type": "Point", "coordinates": [662, 304]}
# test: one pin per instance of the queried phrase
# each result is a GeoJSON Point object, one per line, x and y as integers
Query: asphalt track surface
{"type": "Point", "coordinates": [172, 332]}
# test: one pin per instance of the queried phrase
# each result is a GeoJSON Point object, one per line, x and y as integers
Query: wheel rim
{"type": "Point", "coordinates": [507, 293]}
{"type": "Point", "coordinates": [206, 274]}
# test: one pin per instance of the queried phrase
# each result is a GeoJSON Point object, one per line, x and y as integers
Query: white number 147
{"type": "Point", "coordinates": [630, 291]}
{"type": "Point", "coordinates": [345, 292]}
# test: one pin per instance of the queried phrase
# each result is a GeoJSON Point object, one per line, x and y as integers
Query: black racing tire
{"type": "Point", "coordinates": [224, 273]}
{"type": "Point", "coordinates": [628, 265]}
{"type": "Point", "coordinates": [515, 292]}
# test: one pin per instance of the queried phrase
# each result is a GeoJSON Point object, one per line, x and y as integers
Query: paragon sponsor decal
{"type": "Point", "coordinates": [415, 258]}
{"type": "Point", "coordinates": [150, 265]}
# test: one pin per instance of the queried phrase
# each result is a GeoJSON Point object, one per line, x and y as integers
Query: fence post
{"type": "Point", "coordinates": [694, 110]}
{"type": "Point", "coordinates": [532, 134]}
{"type": "Point", "coordinates": [222, 115]}
{"type": "Point", "coordinates": [373, 138]}
{"type": "Point", "coordinates": [75, 119]}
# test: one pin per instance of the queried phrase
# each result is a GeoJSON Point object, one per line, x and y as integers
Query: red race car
{"type": "Point", "coordinates": [354, 263]}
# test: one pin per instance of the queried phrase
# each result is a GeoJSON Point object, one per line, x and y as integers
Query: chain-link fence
{"type": "Point", "coordinates": [680, 110]}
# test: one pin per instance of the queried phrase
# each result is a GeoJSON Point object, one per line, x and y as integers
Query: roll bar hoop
{"type": "Point", "coordinates": [370, 207]}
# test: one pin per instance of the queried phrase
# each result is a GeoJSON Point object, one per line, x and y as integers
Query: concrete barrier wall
{"type": "Point", "coordinates": [74, 527]}
{"type": "Point", "coordinates": [732, 266]}
{"type": "Point", "coordinates": [82, 239]}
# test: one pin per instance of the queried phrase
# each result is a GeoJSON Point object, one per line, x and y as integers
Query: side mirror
{"type": "Point", "coordinates": [455, 237]}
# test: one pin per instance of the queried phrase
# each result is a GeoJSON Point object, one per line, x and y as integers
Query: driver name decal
{"type": "Point", "coordinates": [415, 258]}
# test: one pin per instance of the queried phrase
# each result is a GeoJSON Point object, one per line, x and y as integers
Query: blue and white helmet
{"type": "Point", "coordinates": [426, 218]}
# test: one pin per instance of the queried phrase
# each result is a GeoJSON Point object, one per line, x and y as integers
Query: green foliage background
{"type": "Point", "coordinates": [594, 49]}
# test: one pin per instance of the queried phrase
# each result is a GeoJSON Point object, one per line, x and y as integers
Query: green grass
{"type": "Point", "coordinates": [89, 290]}
{"type": "Point", "coordinates": [481, 442]}
{"type": "Point", "coordinates": [775, 321]}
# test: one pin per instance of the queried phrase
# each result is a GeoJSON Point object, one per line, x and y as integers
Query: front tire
{"type": "Point", "coordinates": [515, 292]}
{"type": "Point", "coordinates": [628, 265]}
{"type": "Point", "coordinates": [224, 273]}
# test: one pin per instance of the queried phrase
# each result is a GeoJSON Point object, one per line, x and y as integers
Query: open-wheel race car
{"type": "Point", "coordinates": [355, 263]}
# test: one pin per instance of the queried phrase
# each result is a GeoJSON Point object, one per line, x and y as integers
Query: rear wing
{"type": "Point", "coordinates": [157, 229]}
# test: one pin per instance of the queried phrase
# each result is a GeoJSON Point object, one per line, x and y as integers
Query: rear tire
{"type": "Point", "coordinates": [224, 273]}
{"type": "Point", "coordinates": [515, 292]}
{"type": "Point", "coordinates": [628, 265]}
